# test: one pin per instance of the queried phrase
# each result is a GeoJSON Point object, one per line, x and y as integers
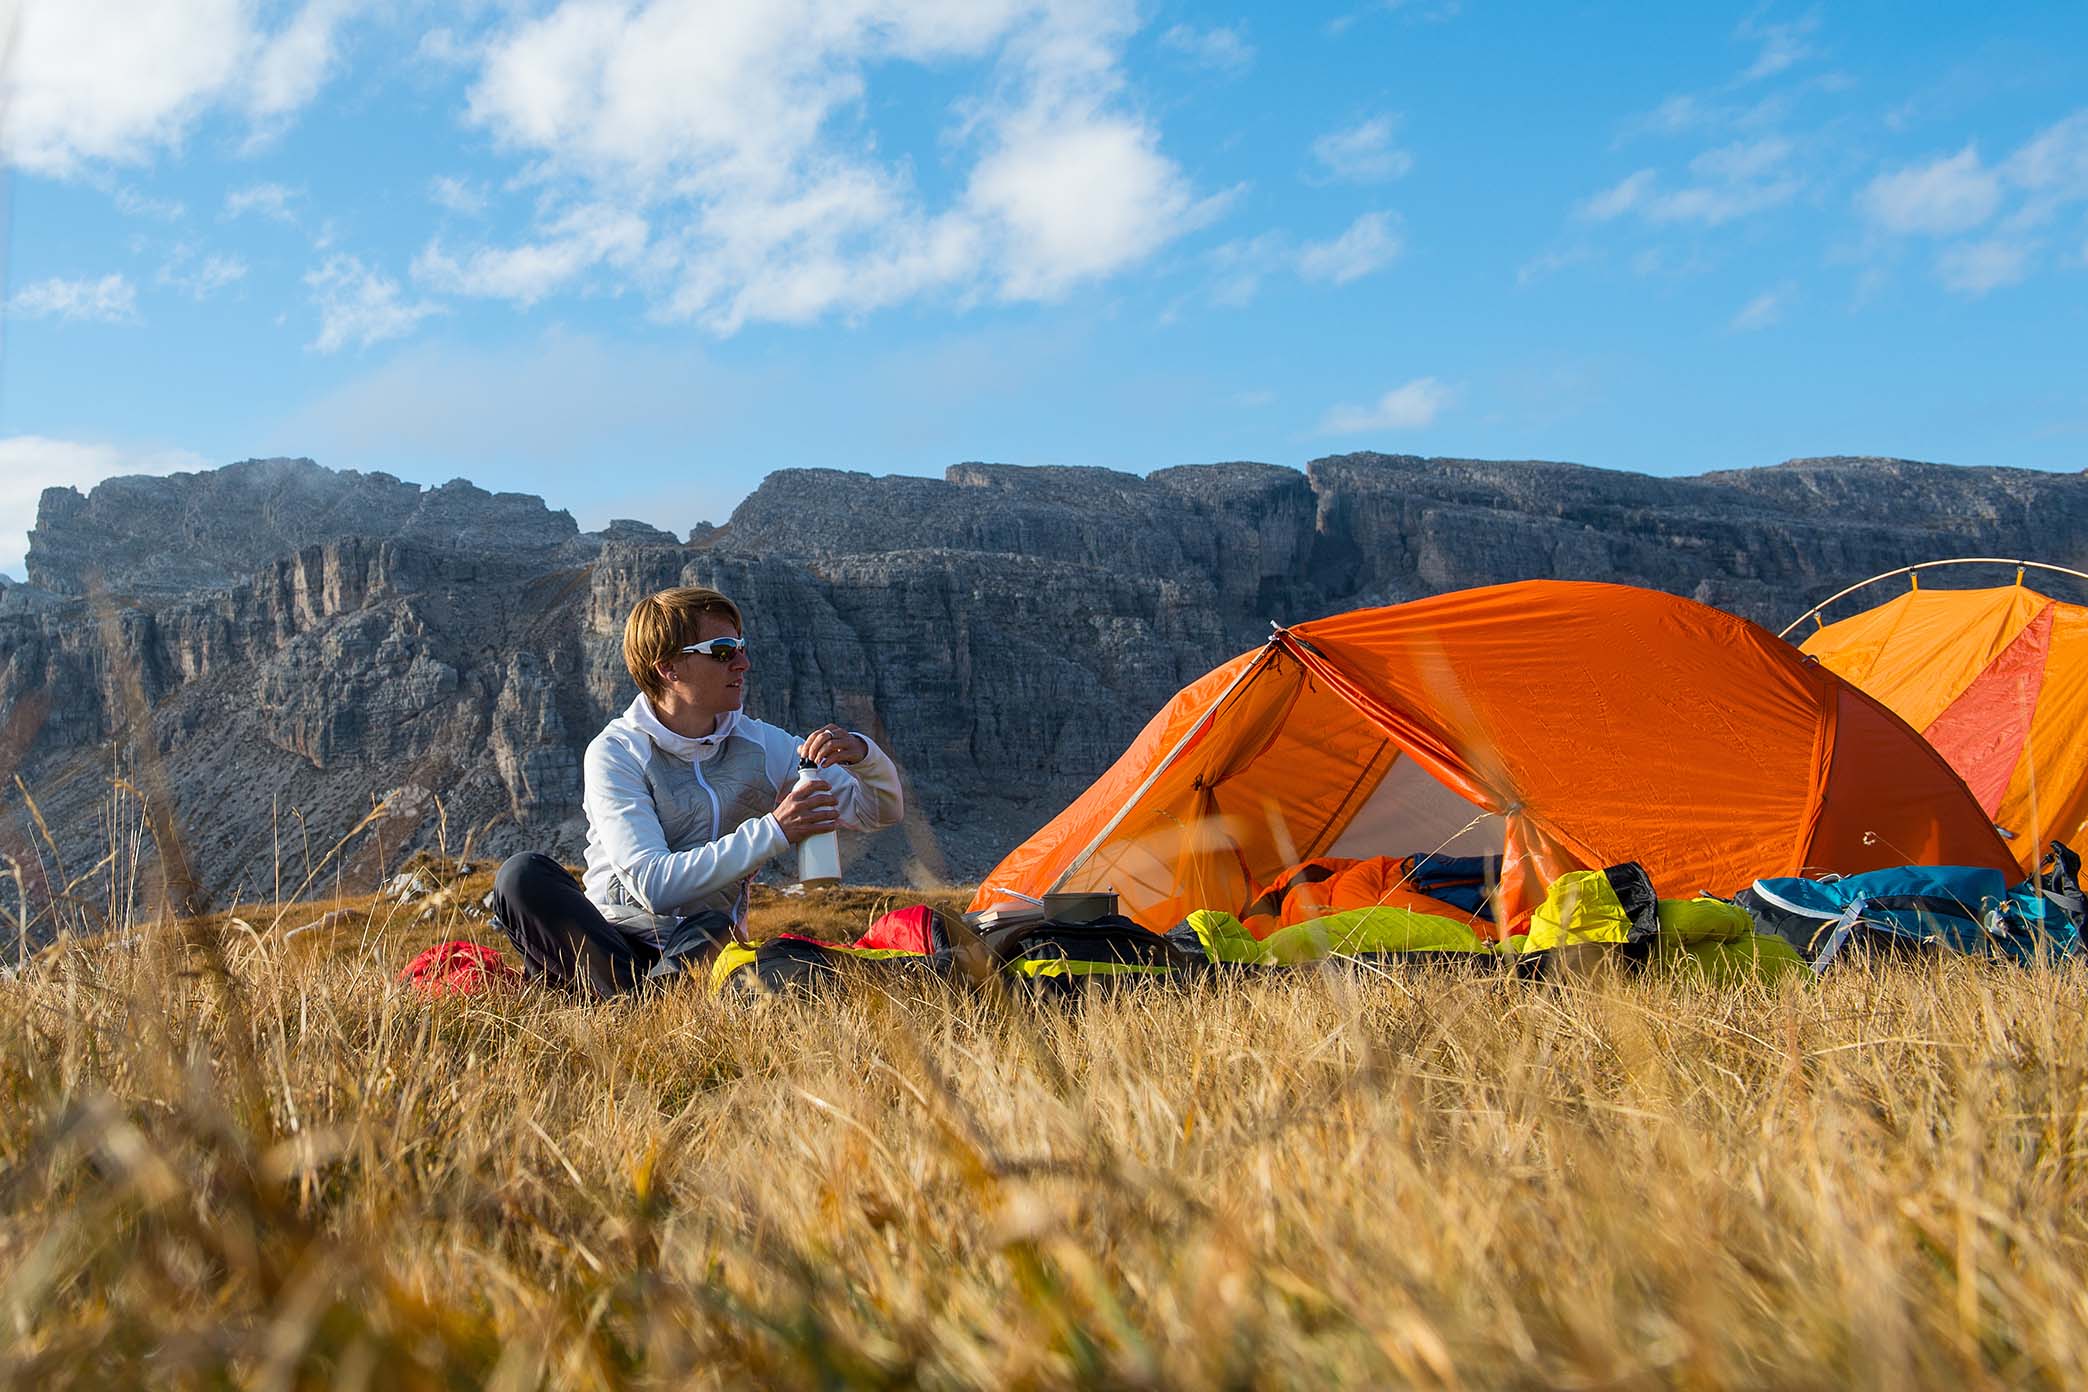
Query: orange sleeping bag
{"type": "Point", "coordinates": [1329, 885]}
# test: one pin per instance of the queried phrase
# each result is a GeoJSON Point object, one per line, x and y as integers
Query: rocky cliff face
{"type": "Point", "coordinates": [289, 648]}
{"type": "Point", "coordinates": [187, 532]}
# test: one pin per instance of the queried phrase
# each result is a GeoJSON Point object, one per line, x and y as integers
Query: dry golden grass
{"type": "Point", "coordinates": [230, 1158]}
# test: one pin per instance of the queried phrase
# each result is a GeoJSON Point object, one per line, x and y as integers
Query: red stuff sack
{"type": "Point", "coordinates": [915, 929]}
{"type": "Point", "coordinates": [457, 968]}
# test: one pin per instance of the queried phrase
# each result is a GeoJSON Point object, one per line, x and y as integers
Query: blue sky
{"type": "Point", "coordinates": [634, 254]}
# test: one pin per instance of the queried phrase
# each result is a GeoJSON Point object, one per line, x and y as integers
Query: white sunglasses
{"type": "Point", "coordinates": [719, 649]}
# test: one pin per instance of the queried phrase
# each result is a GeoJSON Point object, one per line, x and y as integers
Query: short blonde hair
{"type": "Point", "coordinates": [662, 624]}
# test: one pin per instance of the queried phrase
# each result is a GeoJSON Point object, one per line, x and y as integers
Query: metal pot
{"type": "Point", "coordinates": [1079, 908]}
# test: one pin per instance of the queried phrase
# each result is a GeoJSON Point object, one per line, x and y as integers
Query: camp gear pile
{"type": "Point", "coordinates": [1777, 928]}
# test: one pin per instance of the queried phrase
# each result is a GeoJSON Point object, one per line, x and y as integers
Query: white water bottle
{"type": "Point", "coordinates": [819, 855]}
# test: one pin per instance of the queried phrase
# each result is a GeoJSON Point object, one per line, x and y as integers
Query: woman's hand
{"type": "Point", "coordinates": [807, 810]}
{"type": "Point", "coordinates": [830, 744]}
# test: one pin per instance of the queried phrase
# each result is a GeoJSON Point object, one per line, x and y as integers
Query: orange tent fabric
{"type": "Point", "coordinates": [1997, 681]}
{"type": "Point", "coordinates": [1565, 726]}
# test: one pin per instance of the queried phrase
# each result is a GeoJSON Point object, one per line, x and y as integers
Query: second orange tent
{"type": "Point", "coordinates": [1997, 680]}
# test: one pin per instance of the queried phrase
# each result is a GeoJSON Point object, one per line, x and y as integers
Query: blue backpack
{"type": "Point", "coordinates": [1964, 908]}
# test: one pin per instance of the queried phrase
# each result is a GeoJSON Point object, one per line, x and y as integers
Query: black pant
{"type": "Point", "coordinates": [564, 939]}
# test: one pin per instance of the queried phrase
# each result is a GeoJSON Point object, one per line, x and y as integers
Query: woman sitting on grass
{"type": "Point", "coordinates": [686, 798]}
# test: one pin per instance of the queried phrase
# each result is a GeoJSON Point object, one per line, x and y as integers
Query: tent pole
{"type": "Point", "coordinates": [1181, 744]}
{"type": "Point", "coordinates": [1915, 570]}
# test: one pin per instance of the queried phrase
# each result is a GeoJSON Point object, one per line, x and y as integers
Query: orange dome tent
{"type": "Point", "coordinates": [1566, 726]}
{"type": "Point", "coordinates": [1996, 680]}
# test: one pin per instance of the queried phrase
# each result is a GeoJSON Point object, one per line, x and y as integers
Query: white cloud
{"type": "Point", "coordinates": [1764, 310]}
{"type": "Point", "coordinates": [1669, 262]}
{"type": "Point", "coordinates": [1955, 194]}
{"type": "Point", "coordinates": [31, 463]}
{"type": "Point", "coordinates": [1369, 244]}
{"type": "Point", "coordinates": [1550, 263]}
{"type": "Point", "coordinates": [132, 203]}
{"type": "Point", "coordinates": [271, 201]}
{"type": "Point", "coordinates": [1714, 205]}
{"type": "Point", "coordinates": [1674, 116]}
{"type": "Point", "coordinates": [1619, 198]}
{"type": "Point", "coordinates": [1724, 110]}
{"type": "Point", "coordinates": [204, 278]}
{"type": "Point", "coordinates": [1363, 153]}
{"type": "Point", "coordinates": [444, 48]}
{"type": "Point", "coordinates": [2056, 157]}
{"type": "Point", "coordinates": [109, 300]}
{"type": "Point", "coordinates": [1414, 11]}
{"type": "Point", "coordinates": [1784, 46]}
{"type": "Point", "coordinates": [583, 238]}
{"type": "Point", "coordinates": [1066, 200]}
{"type": "Point", "coordinates": [1412, 406]}
{"type": "Point", "coordinates": [290, 68]}
{"type": "Point", "coordinates": [1243, 264]}
{"type": "Point", "coordinates": [1946, 196]}
{"type": "Point", "coordinates": [1742, 161]}
{"type": "Point", "coordinates": [1220, 49]}
{"type": "Point", "coordinates": [740, 129]}
{"type": "Point", "coordinates": [456, 195]}
{"type": "Point", "coordinates": [1974, 268]}
{"type": "Point", "coordinates": [116, 81]}
{"type": "Point", "coordinates": [1240, 266]}
{"type": "Point", "coordinates": [360, 306]}
{"type": "Point", "coordinates": [2051, 169]}
{"type": "Point", "coordinates": [1729, 182]}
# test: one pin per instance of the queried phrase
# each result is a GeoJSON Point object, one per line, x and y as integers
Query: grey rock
{"type": "Point", "coordinates": [18, 598]}
{"type": "Point", "coordinates": [407, 886]}
{"type": "Point", "coordinates": [185, 532]}
{"type": "Point", "coordinates": [624, 529]}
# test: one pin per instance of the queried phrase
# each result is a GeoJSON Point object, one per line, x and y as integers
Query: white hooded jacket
{"type": "Point", "coordinates": [677, 825]}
